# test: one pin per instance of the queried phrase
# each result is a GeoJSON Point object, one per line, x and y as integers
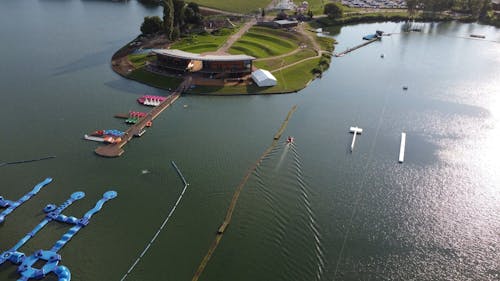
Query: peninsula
{"type": "Point", "coordinates": [225, 53]}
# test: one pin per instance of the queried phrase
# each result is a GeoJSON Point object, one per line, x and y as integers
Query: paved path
{"type": "Point", "coordinates": [312, 41]}
{"type": "Point", "coordinates": [233, 38]}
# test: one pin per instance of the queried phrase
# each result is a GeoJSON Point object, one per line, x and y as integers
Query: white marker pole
{"type": "Point", "coordinates": [402, 148]}
{"type": "Point", "coordinates": [355, 131]}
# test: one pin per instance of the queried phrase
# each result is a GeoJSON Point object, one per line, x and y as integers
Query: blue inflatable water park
{"type": "Point", "coordinates": [49, 258]}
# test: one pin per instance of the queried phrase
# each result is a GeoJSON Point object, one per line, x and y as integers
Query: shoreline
{"type": "Point", "coordinates": [307, 68]}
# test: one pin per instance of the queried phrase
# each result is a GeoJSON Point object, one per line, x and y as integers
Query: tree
{"type": "Point", "coordinates": [310, 14]}
{"type": "Point", "coordinates": [412, 6]}
{"type": "Point", "coordinates": [194, 7]}
{"type": "Point", "coordinates": [281, 15]}
{"type": "Point", "coordinates": [151, 25]}
{"type": "Point", "coordinates": [176, 33]}
{"type": "Point", "coordinates": [333, 10]}
{"type": "Point", "coordinates": [179, 12]}
{"type": "Point", "coordinates": [168, 17]}
{"type": "Point", "coordinates": [477, 7]}
{"type": "Point", "coordinates": [150, 2]}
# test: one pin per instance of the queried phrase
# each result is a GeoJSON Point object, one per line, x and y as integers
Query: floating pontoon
{"type": "Point", "coordinates": [355, 131]}
{"type": "Point", "coordinates": [402, 148]}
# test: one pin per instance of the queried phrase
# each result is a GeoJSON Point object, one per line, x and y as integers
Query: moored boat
{"type": "Point", "coordinates": [151, 100]}
{"type": "Point", "coordinates": [114, 133]}
{"type": "Point", "coordinates": [107, 139]}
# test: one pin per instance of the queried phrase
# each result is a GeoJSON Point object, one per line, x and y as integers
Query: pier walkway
{"type": "Point", "coordinates": [341, 54]}
{"type": "Point", "coordinates": [115, 150]}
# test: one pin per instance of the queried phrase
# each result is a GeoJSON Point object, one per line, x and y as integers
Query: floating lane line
{"type": "Point", "coordinates": [236, 195]}
{"type": "Point", "coordinates": [162, 225]}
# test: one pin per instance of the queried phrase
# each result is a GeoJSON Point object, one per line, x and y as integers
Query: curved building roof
{"type": "Point", "coordinates": [192, 56]}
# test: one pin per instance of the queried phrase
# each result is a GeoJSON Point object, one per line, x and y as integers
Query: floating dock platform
{"type": "Point", "coordinates": [355, 131]}
{"type": "Point", "coordinates": [116, 149]}
{"type": "Point", "coordinates": [402, 148]}
{"type": "Point", "coordinates": [341, 54]}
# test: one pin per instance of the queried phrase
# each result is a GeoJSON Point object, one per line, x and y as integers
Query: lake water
{"type": "Point", "coordinates": [311, 211]}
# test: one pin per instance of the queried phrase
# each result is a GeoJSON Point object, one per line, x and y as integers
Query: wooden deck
{"type": "Point", "coordinates": [341, 54]}
{"type": "Point", "coordinates": [115, 150]}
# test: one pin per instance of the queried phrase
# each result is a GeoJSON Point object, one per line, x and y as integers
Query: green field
{"type": "Point", "coordinates": [316, 6]}
{"type": "Point", "coordinates": [265, 42]}
{"type": "Point", "coordinates": [291, 79]}
{"type": "Point", "coordinates": [200, 43]}
{"type": "Point", "coordinates": [155, 80]}
{"type": "Point", "coordinates": [276, 63]}
{"type": "Point", "coordinates": [237, 6]}
{"type": "Point", "coordinates": [139, 60]}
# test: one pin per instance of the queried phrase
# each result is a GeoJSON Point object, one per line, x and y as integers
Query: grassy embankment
{"type": "Point", "coordinates": [237, 6]}
{"type": "Point", "coordinates": [276, 49]}
{"type": "Point", "coordinates": [197, 43]}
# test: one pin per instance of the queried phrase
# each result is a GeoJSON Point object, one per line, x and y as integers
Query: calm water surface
{"type": "Point", "coordinates": [312, 211]}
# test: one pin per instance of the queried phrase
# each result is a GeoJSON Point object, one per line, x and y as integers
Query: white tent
{"type": "Point", "coordinates": [264, 78]}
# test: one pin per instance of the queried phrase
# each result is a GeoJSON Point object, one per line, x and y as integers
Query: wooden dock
{"type": "Point", "coordinates": [341, 54]}
{"type": "Point", "coordinates": [115, 150]}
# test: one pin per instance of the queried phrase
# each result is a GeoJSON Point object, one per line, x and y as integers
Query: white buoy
{"type": "Point", "coordinates": [355, 131]}
{"type": "Point", "coordinates": [402, 148]}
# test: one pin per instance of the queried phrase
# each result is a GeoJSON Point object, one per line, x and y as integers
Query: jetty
{"type": "Point", "coordinates": [402, 148]}
{"type": "Point", "coordinates": [116, 149]}
{"type": "Point", "coordinates": [341, 54]}
{"type": "Point", "coordinates": [355, 131]}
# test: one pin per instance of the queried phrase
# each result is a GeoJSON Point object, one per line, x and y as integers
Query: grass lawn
{"type": "Point", "coordinates": [155, 80]}
{"type": "Point", "coordinates": [297, 78]}
{"type": "Point", "coordinates": [139, 60]}
{"type": "Point", "coordinates": [272, 64]}
{"type": "Point", "coordinates": [238, 6]}
{"type": "Point", "coordinates": [264, 42]}
{"type": "Point", "coordinates": [200, 43]}
{"type": "Point", "coordinates": [316, 6]}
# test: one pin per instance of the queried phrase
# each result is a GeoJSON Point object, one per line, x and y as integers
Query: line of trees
{"type": "Point", "coordinates": [333, 10]}
{"type": "Point", "coordinates": [178, 17]}
{"type": "Point", "coordinates": [477, 8]}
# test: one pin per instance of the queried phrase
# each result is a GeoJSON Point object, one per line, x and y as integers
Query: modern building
{"type": "Point", "coordinates": [286, 23]}
{"type": "Point", "coordinates": [217, 66]}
